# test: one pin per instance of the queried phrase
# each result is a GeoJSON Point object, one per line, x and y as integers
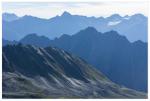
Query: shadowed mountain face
{"type": "Point", "coordinates": [31, 72]}
{"type": "Point", "coordinates": [133, 27]}
{"type": "Point", "coordinates": [123, 62]}
{"type": "Point", "coordinates": [7, 42]}
{"type": "Point", "coordinates": [40, 41]}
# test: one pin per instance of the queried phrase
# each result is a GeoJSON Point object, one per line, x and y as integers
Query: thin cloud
{"type": "Point", "coordinates": [50, 9]}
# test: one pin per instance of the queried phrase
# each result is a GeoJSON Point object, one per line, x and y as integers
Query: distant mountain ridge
{"type": "Point", "coordinates": [40, 41]}
{"type": "Point", "coordinates": [32, 72]}
{"type": "Point", "coordinates": [133, 27]}
{"type": "Point", "coordinates": [7, 42]}
{"type": "Point", "coordinates": [120, 60]}
{"type": "Point", "coordinates": [9, 17]}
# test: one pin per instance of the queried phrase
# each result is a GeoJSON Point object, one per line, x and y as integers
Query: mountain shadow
{"type": "Point", "coordinates": [32, 72]}
{"type": "Point", "coordinates": [120, 60]}
{"type": "Point", "coordinates": [123, 62]}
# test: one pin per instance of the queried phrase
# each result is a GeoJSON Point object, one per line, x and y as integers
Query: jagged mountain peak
{"type": "Point", "coordinates": [112, 33]}
{"type": "Point", "coordinates": [35, 36]}
{"type": "Point", "coordinates": [114, 17]}
{"type": "Point", "coordinates": [32, 35]}
{"type": "Point", "coordinates": [87, 33]}
{"type": "Point", "coordinates": [64, 36]}
{"type": "Point", "coordinates": [28, 16]}
{"type": "Point", "coordinates": [9, 16]}
{"type": "Point", "coordinates": [139, 17]}
{"type": "Point", "coordinates": [66, 14]}
{"type": "Point", "coordinates": [31, 18]}
{"type": "Point", "coordinates": [92, 29]}
{"type": "Point", "coordinates": [89, 30]}
{"type": "Point", "coordinates": [34, 39]}
{"type": "Point", "coordinates": [76, 23]}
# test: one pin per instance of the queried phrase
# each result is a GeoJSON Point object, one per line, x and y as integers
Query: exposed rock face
{"type": "Point", "coordinates": [31, 72]}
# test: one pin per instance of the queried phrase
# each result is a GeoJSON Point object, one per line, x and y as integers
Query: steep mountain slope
{"type": "Point", "coordinates": [123, 62]}
{"type": "Point", "coordinates": [31, 72]}
{"type": "Point", "coordinates": [133, 27]}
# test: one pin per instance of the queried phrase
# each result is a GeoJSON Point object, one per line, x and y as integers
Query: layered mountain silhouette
{"type": "Point", "coordinates": [9, 17]}
{"type": "Point", "coordinates": [120, 60]}
{"type": "Point", "coordinates": [123, 62]}
{"type": "Point", "coordinates": [133, 27]}
{"type": "Point", "coordinates": [7, 42]}
{"type": "Point", "coordinates": [40, 41]}
{"type": "Point", "coordinates": [32, 72]}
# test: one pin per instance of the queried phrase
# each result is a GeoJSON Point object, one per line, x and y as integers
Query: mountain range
{"type": "Point", "coordinates": [123, 62]}
{"type": "Point", "coordinates": [33, 72]}
{"type": "Point", "coordinates": [133, 27]}
{"type": "Point", "coordinates": [120, 60]}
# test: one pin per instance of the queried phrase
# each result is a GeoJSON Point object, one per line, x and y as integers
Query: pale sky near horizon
{"type": "Point", "coordinates": [51, 9]}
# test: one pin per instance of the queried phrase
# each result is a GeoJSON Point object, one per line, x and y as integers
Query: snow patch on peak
{"type": "Point", "coordinates": [127, 18]}
{"type": "Point", "coordinates": [112, 23]}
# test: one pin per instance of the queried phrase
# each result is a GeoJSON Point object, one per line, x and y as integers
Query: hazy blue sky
{"type": "Point", "coordinates": [47, 9]}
